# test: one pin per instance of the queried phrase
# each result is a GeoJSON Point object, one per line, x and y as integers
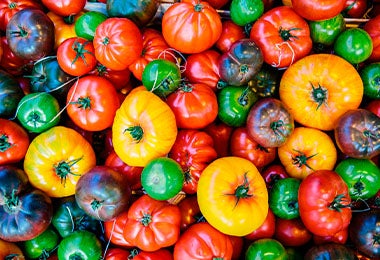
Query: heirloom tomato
{"type": "Point", "coordinates": [319, 88]}
{"type": "Point", "coordinates": [244, 12]}
{"type": "Point", "coordinates": [114, 230]}
{"type": "Point", "coordinates": [243, 145]}
{"type": "Point", "coordinates": [266, 248]}
{"type": "Point", "coordinates": [307, 150]}
{"type": "Point", "coordinates": [374, 106]}
{"type": "Point", "coordinates": [86, 23]}
{"type": "Point", "coordinates": [338, 238]}
{"type": "Point", "coordinates": [318, 10]}
{"type": "Point", "coordinates": [64, 7]}
{"type": "Point", "coordinates": [186, 16]}
{"type": "Point", "coordinates": [10, 250]}
{"type": "Point", "coordinates": [355, 8]}
{"type": "Point", "coordinates": [42, 245]}
{"type": "Point", "coordinates": [118, 43]}
{"type": "Point", "coordinates": [120, 79]}
{"type": "Point", "coordinates": [30, 34]}
{"type": "Point", "coordinates": [269, 122]}
{"type": "Point", "coordinates": [231, 33]}
{"type": "Point", "coordinates": [266, 230]}
{"type": "Point", "coordinates": [193, 150]}
{"type": "Point", "coordinates": [144, 128]}
{"type": "Point", "coordinates": [371, 27]}
{"type": "Point", "coordinates": [324, 203]}
{"type": "Point", "coordinates": [266, 81]}
{"type": "Point", "coordinates": [194, 105]}
{"type": "Point", "coordinates": [10, 95]}
{"type": "Point", "coordinates": [272, 173]}
{"type": "Point", "coordinates": [152, 224]}
{"type": "Point", "coordinates": [330, 251]}
{"type": "Point", "coordinates": [56, 159]}
{"type": "Point", "coordinates": [117, 253]}
{"type": "Point", "coordinates": [229, 190]}
{"type": "Point", "coordinates": [202, 241]}
{"type": "Point", "coordinates": [357, 134]}
{"type": "Point", "coordinates": [370, 75]}
{"type": "Point", "coordinates": [14, 142]}
{"type": "Point", "coordinates": [292, 232]}
{"type": "Point", "coordinates": [282, 35]}
{"type": "Point", "coordinates": [220, 133]}
{"type": "Point", "coordinates": [325, 32]}
{"type": "Point", "coordinates": [190, 212]}
{"type": "Point", "coordinates": [10, 63]}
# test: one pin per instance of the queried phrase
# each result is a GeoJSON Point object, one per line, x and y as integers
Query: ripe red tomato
{"type": "Point", "coordinates": [372, 28]}
{"type": "Point", "coordinates": [65, 7]}
{"type": "Point", "coordinates": [292, 232]}
{"type": "Point", "coordinates": [266, 230]}
{"type": "Point", "coordinates": [355, 8]}
{"type": "Point", "coordinates": [221, 133]}
{"type": "Point", "coordinates": [374, 107]}
{"type": "Point", "coordinates": [231, 32]}
{"type": "Point", "coordinates": [315, 10]}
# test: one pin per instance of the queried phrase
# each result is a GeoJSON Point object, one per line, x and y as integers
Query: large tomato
{"type": "Point", "coordinates": [307, 150]}
{"type": "Point", "coordinates": [282, 35]}
{"type": "Point", "coordinates": [56, 159]}
{"type": "Point", "coordinates": [114, 230]}
{"type": "Point", "coordinates": [229, 190]}
{"type": "Point", "coordinates": [314, 10]}
{"type": "Point", "coordinates": [144, 128]}
{"type": "Point", "coordinates": [319, 88]}
{"type": "Point", "coordinates": [186, 16]}
{"type": "Point", "coordinates": [371, 27]}
{"type": "Point", "coordinates": [65, 7]}
{"type": "Point", "coordinates": [324, 203]}
{"type": "Point", "coordinates": [152, 224]}
{"type": "Point", "coordinates": [193, 150]}
{"type": "Point", "coordinates": [118, 43]}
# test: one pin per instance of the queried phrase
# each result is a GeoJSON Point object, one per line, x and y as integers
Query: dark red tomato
{"type": "Point", "coordinates": [118, 78]}
{"type": "Point", "coordinates": [217, 4]}
{"type": "Point", "coordinates": [220, 133]}
{"type": "Point", "coordinates": [273, 173]}
{"type": "Point", "coordinates": [237, 245]}
{"type": "Point", "coordinates": [190, 211]}
{"type": "Point", "coordinates": [243, 145]}
{"type": "Point", "coordinates": [231, 32]}
{"type": "Point", "coordinates": [338, 238]}
{"type": "Point", "coordinates": [374, 106]}
{"type": "Point", "coordinates": [115, 253]}
{"type": "Point", "coordinates": [292, 232]}
{"type": "Point", "coordinates": [65, 7]}
{"type": "Point", "coordinates": [355, 8]}
{"type": "Point", "coordinates": [266, 230]}
{"type": "Point", "coordinates": [10, 62]}
{"type": "Point", "coordinates": [372, 28]}
{"type": "Point", "coordinates": [159, 254]}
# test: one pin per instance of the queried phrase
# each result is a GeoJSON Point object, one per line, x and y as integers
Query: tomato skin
{"type": "Point", "coordinates": [272, 173]}
{"type": "Point", "coordinates": [324, 200]}
{"type": "Point", "coordinates": [185, 16]}
{"type": "Point", "coordinates": [43, 244]}
{"type": "Point", "coordinates": [202, 241]}
{"type": "Point", "coordinates": [10, 95]}
{"type": "Point", "coordinates": [374, 107]}
{"type": "Point", "coordinates": [14, 142]}
{"type": "Point", "coordinates": [355, 8]}
{"type": "Point", "coordinates": [155, 255]}
{"type": "Point", "coordinates": [64, 7]}
{"type": "Point", "coordinates": [10, 63]}
{"type": "Point", "coordinates": [231, 33]}
{"type": "Point", "coordinates": [244, 12]}
{"type": "Point", "coordinates": [331, 251]}
{"type": "Point", "coordinates": [282, 35]}
{"type": "Point", "coordinates": [220, 133]}
{"type": "Point", "coordinates": [371, 28]}
{"type": "Point", "coordinates": [116, 254]}
{"type": "Point", "coordinates": [114, 230]}
{"type": "Point", "coordinates": [264, 247]}
{"type": "Point", "coordinates": [338, 238]}
{"type": "Point", "coordinates": [10, 250]}
{"type": "Point", "coordinates": [86, 23]}
{"type": "Point", "coordinates": [370, 75]}
{"type": "Point", "coordinates": [318, 10]}
{"type": "Point", "coordinates": [266, 230]}
{"type": "Point", "coordinates": [292, 232]}
{"type": "Point", "coordinates": [326, 31]}
{"type": "Point", "coordinates": [190, 212]}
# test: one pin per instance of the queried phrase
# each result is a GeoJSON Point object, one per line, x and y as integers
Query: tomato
{"type": "Point", "coordinates": [202, 241]}
{"type": "Point", "coordinates": [152, 224]}
{"type": "Point", "coordinates": [374, 107]}
{"type": "Point", "coordinates": [371, 28]}
{"type": "Point", "coordinates": [10, 250]}
{"type": "Point", "coordinates": [325, 32]}
{"type": "Point", "coordinates": [231, 32]}
{"type": "Point", "coordinates": [76, 56]}
{"type": "Point", "coordinates": [220, 133]}
{"type": "Point", "coordinates": [266, 230]}
{"type": "Point", "coordinates": [115, 253]}
{"type": "Point", "coordinates": [319, 88]}
{"type": "Point", "coordinates": [203, 68]}
{"type": "Point", "coordinates": [118, 43]}
{"type": "Point", "coordinates": [338, 238]}
{"type": "Point", "coordinates": [272, 173]}
{"type": "Point", "coordinates": [190, 212]}
{"type": "Point", "coordinates": [10, 94]}
{"type": "Point", "coordinates": [144, 128]}
{"type": "Point", "coordinates": [234, 104]}
{"type": "Point", "coordinates": [292, 232]}
{"type": "Point", "coordinates": [56, 159]}
{"type": "Point", "coordinates": [244, 12]}
{"type": "Point", "coordinates": [155, 255]}
{"type": "Point", "coordinates": [355, 8]}
{"type": "Point", "coordinates": [30, 34]}
{"type": "Point", "coordinates": [14, 142]}
{"type": "Point", "coordinates": [10, 63]}
{"type": "Point", "coordinates": [330, 251]}
{"type": "Point", "coordinates": [229, 189]}
{"type": "Point", "coordinates": [217, 4]}
{"type": "Point", "coordinates": [283, 198]}
{"type": "Point", "coordinates": [324, 203]}
{"type": "Point", "coordinates": [370, 75]}
{"type": "Point", "coordinates": [25, 211]}
{"type": "Point", "coordinates": [269, 122]}
{"type": "Point", "coordinates": [282, 35]}
{"type": "Point", "coordinates": [186, 16]}
{"type": "Point", "coordinates": [268, 248]}
{"type": "Point", "coordinates": [194, 105]}
{"type": "Point", "coordinates": [193, 150]}
{"type": "Point", "coordinates": [266, 82]}
{"type": "Point", "coordinates": [38, 112]}
{"type": "Point", "coordinates": [243, 145]}
{"type": "Point", "coordinates": [42, 245]}
{"type": "Point", "coordinates": [162, 178]}
{"type": "Point", "coordinates": [240, 63]}
{"type": "Point", "coordinates": [64, 7]}
{"type": "Point", "coordinates": [162, 77]}
{"type": "Point", "coordinates": [86, 24]}
{"type": "Point", "coordinates": [81, 243]}
{"type": "Point", "coordinates": [318, 10]}
{"type": "Point", "coordinates": [120, 79]}
{"type": "Point", "coordinates": [307, 150]}
{"type": "Point", "coordinates": [114, 230]}
{"type": "Point", "coordinates": [354, 45]}
{"type": "Point", "coordinates": [357, 134]}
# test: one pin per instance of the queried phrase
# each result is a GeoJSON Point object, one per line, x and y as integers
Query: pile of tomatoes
{"type": "Point", "coordinates": [215, 129]}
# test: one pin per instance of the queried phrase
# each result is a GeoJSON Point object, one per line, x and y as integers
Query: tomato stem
{"type": "Point", "coordinates": [96, 204]}
{"type": "Point", "coordinates": [286, 34]}
{"type": "Point", "coordinates": [242, 190]}
{"type": "Point", "coordinates": [339, 202]}
{"type": "Point", "coordinates": [80, 51]}
{"type": "Point", "coordinates": [136, 132]}
{"type": "Point", "coordinates": [11, 202]}
{"type": "Point", "coordinates": [243, 98]}
{"type": "Point", "coordinates": [4, 143]}
{"type": "Point", "coordinates": [301, 159]}
{"type": "Point", "coordinates": [63, 168]}
{"type": "Point", "coordinates": [319, 94]}
{"type": "Point", "coordinates": [198, 7]}
{"type": "Point", "coordinates": [146, 219]}
{"type": "Point", "coordinates": [82, 102]}
{"type": "Point", "coordinates": [21, 33]}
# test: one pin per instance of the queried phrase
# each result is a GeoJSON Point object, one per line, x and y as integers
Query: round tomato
{"type": "Point", "coordinates": [10, 95]}
{"type": "Point", "coordinates": [229, 190]}
{"type": "Point", "coordinates": [272, 173]}
{"type": "Point", "coordinates": [371, 27]}
{"type": "Point", "coordinates": [370, 75]}
{"type": "Point", "coordinates": [120, 79]}
{"type": "Point", "coordinates": [326, 31]}
{"type": "Point", "coordinates": [244, 12]}
{"type": "Point", "coordinates": [266, 248]}
{"type": "Point", "coordinates": [231, 33]}
{"type": "Point", "coordinates": [315, 10]}
{"type": "Point", "coordinates": [292, 232]}
{"type": "Point", "coordinates": [116, 253]}
{"type": "Point", "coordinates": [374, 107]}
{"type": "Point", "coordinates": [330, 251]}
{"type": "Point", "coordinates": [355, 8]}
{"type": "Point", "coordinates": [220, 133]}
{"type": "Point", "coordinates": [42, 245]}
{"type": "Point", "coordinates": [86, 24]}
{"type": "Point", "coordinates": [64, 7]}
{"type": "Point", "coordinates": [266, 230]}
{"type": "Point", "coordinates": [190, 212]}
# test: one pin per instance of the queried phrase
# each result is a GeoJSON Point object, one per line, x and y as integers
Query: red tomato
{"type": "Point", "coordinates": [372, 28]}
{"type": "Point", "coordinates": [118, 78]}
{"type": "Point", "coordinates": [65, 7]}
{"type": "Point", "coordinates": [315, 10]}
{"type": "Point", "coordinates": [194, 105]}
{"type": "Point", "coordinates": [338, 238]}
{"type": "Point", "coordinates": [237, 245]}
{"type": "Point", "coordinates": [292, 232]}
{"type": "Point", "coordinates": [355, 8]}
{"type": "Point", "coordinates": [221, 133]}
{"type": "Point", "coordinates": [114, 230]}
{"type": "Point", "coordinates": [10, 62]}
{"type": "Point", "coordinates": [273, 173]}
{"type": "Point", "coordinates": [231, 32]}
{"type": "Point", "coordinates": [156, 255]}
{"type": "Point", "coordinates": [190, 212]}
{"type": "Point", "coordinates": [92, 103]}
{"type": "Point", "coordinates": [76, 57]}
{"type": "Point", "coordinates": [243, 145]}
{"type": "Point", "coordinates": [217, 4]}
{"type": "Point", "coordinates": [117, 254]}
{"type": "Point", "coordinates": [266, 230]}
{"type": "Point", "coordinates": [374, 106]}
{"type": "Point", "coordinates": [282, 35]}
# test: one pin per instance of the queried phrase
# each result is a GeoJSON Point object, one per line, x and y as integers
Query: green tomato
{"type": "Point", "coordinates": [80, 244]}
{"type": "Point", "coordinates": [162, 178]}
{"type": "Point", "coordinates": [325, 32]}
{"type": "Point", "coordinates": [283, 198]}
{"type": "Point", "coordinates": [42, 245]}
{"type": "Point", "coordinates": [370, 75]}
{"type": "Point", "coordinates": [362, 177]}
{"type": "Point", "coordinates": [85, 26]}
{"type": "Point", "coordinates": [266, 248]}
{"type": "Point", "coordinates": [354, 45]}
{"type": "Point", "coordinates": [234, 103]}
{"type": "Point", "coordinates": [161, 76]}
{"type": "Point", "coordinates": [37, 112]}
{"type": "Point", "coordinates": [246, 11]}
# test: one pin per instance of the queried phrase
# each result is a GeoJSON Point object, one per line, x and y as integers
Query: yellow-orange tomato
{"type": "Point", "coordinates": [319, 88]}
{"type": "Point", "coordinates": [307, 150]}
{"type": "Point", "coordinates": [10, 250]}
